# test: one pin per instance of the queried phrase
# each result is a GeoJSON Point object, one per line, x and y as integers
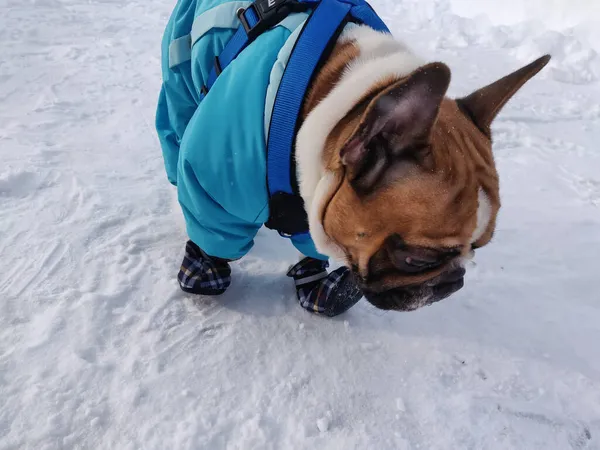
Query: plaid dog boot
{"type": "Point", "coordinates": [202, 274]}
{"type": "Point", "coordinates": [322, 293]}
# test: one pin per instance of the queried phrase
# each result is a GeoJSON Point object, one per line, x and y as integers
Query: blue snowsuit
{"type": "Point", "coordinates": [215, 151]}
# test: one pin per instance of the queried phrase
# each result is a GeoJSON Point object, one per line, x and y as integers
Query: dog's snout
{"type": "Point", "coordinates": [453, 275]}
{"type": "Point", "coordinates": [409, 298]}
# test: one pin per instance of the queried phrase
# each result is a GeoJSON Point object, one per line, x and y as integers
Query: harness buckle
{"type": "Point", "coordinates": [268, 13]}
{"type": "Point", "coordinates": [287, 214]}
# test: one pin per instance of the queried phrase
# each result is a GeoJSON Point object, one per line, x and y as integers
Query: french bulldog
{"type": "Point", "coordinates": [398, 181]}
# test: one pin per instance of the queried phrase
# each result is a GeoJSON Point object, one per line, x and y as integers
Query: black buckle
{"type": "Point", "coordinates": [269, 14]}
{"type": "Point", "coordinates": [287, 214]}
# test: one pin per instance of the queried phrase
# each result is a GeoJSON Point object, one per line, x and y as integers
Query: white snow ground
{"type": "Point", "coordinates": [100, 349]}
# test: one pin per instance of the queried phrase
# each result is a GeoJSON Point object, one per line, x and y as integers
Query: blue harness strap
{"type": "Point", "coordinates": [287, 214]}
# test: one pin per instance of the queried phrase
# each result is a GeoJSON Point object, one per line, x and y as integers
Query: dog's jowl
{"type": "Point", "coordinates": [311, 118]}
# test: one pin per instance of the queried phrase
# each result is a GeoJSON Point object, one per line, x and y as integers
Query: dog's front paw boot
{"type": "Point", "coordinates": [322, 293]}
{"type": "Point", "coordinates": [202, 274]}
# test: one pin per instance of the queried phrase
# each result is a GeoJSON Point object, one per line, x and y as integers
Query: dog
{"type": "Point", "coordinates": [398, 181]}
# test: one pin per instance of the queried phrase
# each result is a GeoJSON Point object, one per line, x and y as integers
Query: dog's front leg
{"type": "Point", "coordinates": [325, 293]}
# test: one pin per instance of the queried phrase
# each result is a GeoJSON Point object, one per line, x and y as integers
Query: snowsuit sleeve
{"type": "Point", "coordinates": [209, 225]}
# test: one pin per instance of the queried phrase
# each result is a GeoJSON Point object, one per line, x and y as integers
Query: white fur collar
{"type": "Point", "coordinates": [381, 57]}
{"type": "Point", "coordinates": [484, 214]}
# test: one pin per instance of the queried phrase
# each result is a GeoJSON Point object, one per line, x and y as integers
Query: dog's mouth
{"type": "Point", "coordinates": [410, 298]}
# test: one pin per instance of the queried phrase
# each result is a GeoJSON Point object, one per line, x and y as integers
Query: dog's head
{"type": "Point", "coordinates": [412, 187]}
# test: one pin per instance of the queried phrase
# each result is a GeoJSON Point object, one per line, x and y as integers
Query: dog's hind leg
{"type": "Point", "coordinates": [202, 274]}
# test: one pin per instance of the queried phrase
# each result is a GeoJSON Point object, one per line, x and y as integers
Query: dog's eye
{"type": "Point", "coordinates": [418, 262]}
{"type": "Point", "coordinates": [415, 260]}
{"type": "Point", "coordinates": [413, 265]}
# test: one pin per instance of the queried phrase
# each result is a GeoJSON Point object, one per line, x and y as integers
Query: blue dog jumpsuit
{"type": "Point", "coordinates": [215, 150]}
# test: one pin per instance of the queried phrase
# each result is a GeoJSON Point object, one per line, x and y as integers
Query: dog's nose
{"type": "Point", "coordinates": [412, 297]}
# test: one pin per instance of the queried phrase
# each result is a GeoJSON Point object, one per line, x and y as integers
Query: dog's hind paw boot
{"type": "Point", "coordinates": [330, 294]}
{"type": "Point", "coordinates": [202, 274]}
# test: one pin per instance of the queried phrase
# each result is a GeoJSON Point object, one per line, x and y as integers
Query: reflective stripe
{"type": "Point", "coordinates": [180, 51]}
{"type": "Point", "coordinates": [293, 21]}
{"type": "Point", "coordinates": [306, 280]}
{"type": "Point", "coordinates": [222, 16]}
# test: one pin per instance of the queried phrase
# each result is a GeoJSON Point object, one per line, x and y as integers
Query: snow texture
{"type": "Point", "coordinates": [99, 349]}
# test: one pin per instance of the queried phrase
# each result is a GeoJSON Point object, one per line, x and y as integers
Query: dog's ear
{"type": "Point", "coordinates": [483, 105]}
{"type": "Point", "coordinates": [396, 124]}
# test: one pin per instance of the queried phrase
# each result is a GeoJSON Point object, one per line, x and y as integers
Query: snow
{"type": "Point", "coordinates": [100, 349]}
{"type": "Point", "coordinates": [323, 423]}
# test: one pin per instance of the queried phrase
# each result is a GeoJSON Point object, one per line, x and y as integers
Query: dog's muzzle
{"type": "Point", "coordinates": [409, 298]}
